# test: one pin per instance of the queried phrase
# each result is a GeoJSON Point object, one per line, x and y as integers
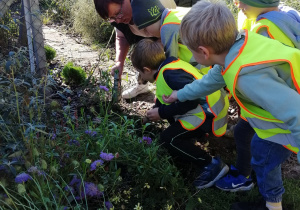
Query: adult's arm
{"type": "Point", "coordinates": [122, 47]}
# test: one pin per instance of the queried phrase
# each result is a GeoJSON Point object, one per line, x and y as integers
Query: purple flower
{"type": "Point", "coordinates": [2, 167]}
{"type": "Point", "coordinates": [75, 181]}
{"type": "Point", "coordinates": [103, 88]}
{"type": "Point", "coordinates": [69, 189]}
{"type": "Point", "coordinates": [147, 139]}
{"type": "Point", "coordinates": [65, 208]}
{"type": "Point", "coordinates": [108, 205]}
{"type": "Point", "coordinates": [23, 177]}
{"type": "Point", "coordinates": [91, 133]}
{"type": "Point", "coordinates": [74, 142]}
{"type": "Point", "coordinates": [53, 136]}
{"type": "Point", "coordinates": [106, 156]}
{"type": "Point", "coordinates": [92, 190]}
{"type": "Point", "coordinates": [95, 164]}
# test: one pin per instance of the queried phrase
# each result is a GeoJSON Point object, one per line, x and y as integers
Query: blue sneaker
{"type": "Point", "coordinates": [235, 182]}
{"type": "Point", "coordinates": [211, 173]}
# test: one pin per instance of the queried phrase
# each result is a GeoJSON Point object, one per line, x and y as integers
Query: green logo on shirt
{"type": "Point", "coordinates": [154, 11]}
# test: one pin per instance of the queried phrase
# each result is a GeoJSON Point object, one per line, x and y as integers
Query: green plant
{"type": "Point", "coordinates": [88, 23]}
{"type": "Point", "coordinates": [74, 75]}
{"type": "Point", "coordinates": [57, 10]}
{"type": "Point", "coordinates": [50, 53]}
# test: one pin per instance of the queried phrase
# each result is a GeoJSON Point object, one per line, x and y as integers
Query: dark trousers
{"type": "Point", "coordinates": [243, 134]}
{"type": "Point", "coordinates": [178, 142]}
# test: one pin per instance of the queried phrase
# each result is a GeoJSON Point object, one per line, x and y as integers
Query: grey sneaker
{"type": "Point", "coordinates": [210, 174]}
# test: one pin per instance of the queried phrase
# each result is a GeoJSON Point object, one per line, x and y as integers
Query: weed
{"type": "Point", "coordinates": [73, 75]}
{"type": "Point", "coordinates": [50, 53]}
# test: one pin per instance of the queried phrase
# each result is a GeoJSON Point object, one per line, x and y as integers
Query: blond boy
{"type": "Point", "coordinates": [263, 76]}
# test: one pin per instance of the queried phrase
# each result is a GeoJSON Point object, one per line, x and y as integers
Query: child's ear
{"type": "Point", "coordinates": [147, 70]}
{"type": "Point", "coordinates": [205, 51]}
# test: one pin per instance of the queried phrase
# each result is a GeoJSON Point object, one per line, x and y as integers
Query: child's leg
{"type": "Point", "coordinates": [177, 140]}
{"type": "Point", "coordinates": [267, 158]}
{"type": "Point", "coordinates": [243, 134]}
{"type": "Point", "coordinates": [238, 178]}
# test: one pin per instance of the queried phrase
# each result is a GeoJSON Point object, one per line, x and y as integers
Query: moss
{"type": "Point", "coordinates": [73, 75]}
{"type": "Point", "coordinates": [50, 53]}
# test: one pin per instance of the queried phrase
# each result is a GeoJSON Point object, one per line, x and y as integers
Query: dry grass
{"type": "Point", "coordinates": [88, 23]}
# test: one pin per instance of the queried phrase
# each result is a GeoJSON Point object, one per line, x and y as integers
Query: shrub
{"type": "Point", "coordinates": [88, 23]}
{"type": "Point", "coordinates": [50, 53]}
{"type": "Point", "coordinates": [73, 75]}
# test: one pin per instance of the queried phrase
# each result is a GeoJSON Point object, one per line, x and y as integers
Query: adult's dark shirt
{"type": "Point", "coordinates": [130, 37]}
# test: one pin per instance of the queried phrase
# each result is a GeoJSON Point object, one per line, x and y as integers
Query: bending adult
{"type": "Point", "coordinates": [119, 13]}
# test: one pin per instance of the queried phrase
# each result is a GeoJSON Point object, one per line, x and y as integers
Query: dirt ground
{"type": "Point", "coordinates": [72, 48]}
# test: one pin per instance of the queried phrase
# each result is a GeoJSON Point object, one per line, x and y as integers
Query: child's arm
{"type": "Point", "coordinates": [177, 79]}
{"type": "Point", "coordinates": [209, 83]}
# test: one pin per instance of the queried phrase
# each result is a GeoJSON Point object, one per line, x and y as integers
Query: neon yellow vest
{"type": "Point", "coordinates": [218, 101]}
{"type": "Point", "coordinates": [264, 54]}
{"type": "Point", "coordinates": [273, 31]}
{"type": "Point", "coordinates": [175, 17]}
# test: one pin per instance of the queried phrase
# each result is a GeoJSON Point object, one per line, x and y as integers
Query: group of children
{"type": "Point", "coordinates": [260, 67]}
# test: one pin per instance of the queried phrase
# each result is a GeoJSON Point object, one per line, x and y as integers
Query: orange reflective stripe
{"type": "Point", "coordinates": [294, 80]}
{"type": "Point", "coordinates": [243, 118]}
{"type": "Point", "coordinates": [235, 82]}
{"type": "Point", "coordinates": [175, 68]}
{"type": "Point", "coordinates": [240, 51]}
{"type": "Point", "coordinates": [268, 30]}
{"type": "Point", "coordinates": [289, 149]}
{"type": "Point", "coordinates": [166, 68]}
{"type": "Point", "coordinates": [198, 125]}
{"type": "Point", "coordinates": [213, 122]}
{"type": "Point", "coordinates": [164, 20]}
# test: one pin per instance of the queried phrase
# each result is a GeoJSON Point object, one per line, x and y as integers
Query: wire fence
{"type": "Point", "coordinates": [21, 25]}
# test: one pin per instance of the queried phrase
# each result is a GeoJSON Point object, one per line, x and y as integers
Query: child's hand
{"type": "Point", "coordinates": [153, 115]}
{"type": "Point", "coordinates": [171, 98]}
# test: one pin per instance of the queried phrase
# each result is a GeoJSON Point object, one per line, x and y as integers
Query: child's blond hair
{"type": "Point", "coordinates": [147, 53]}
{"type": "Point", "coordinates": [209, 24]}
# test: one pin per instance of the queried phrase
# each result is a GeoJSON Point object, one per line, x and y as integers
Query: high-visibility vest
{"type": "Point", "coordinates": [175, 17]}
{"type": "Point", "coordinates": [257, 50]}
{"type": "Point", "coordinates": [218, 101]}
{"type": "Point", "coordinates": [273, 31]}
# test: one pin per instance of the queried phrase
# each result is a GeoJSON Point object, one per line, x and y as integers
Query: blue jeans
{"type": "Point", "coordinates": [266, 161]}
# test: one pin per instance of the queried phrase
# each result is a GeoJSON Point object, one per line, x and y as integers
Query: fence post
{"type": "Point", "coordinates": [29, 37]}
{"type": "Point", "coordinates": [38, 39]}
{"type": "Point", "coordinates": [22, 28]}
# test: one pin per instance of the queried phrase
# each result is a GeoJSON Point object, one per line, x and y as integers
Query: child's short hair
{"type": "Point", "coordinates": [147, 53]}
{"type": "Point", "coordinates": [209, 24]}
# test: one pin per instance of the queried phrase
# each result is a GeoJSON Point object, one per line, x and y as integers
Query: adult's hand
{"type": "Point", "coordinates": [153, 115]}
{"type": "Point", "coordinates": [118, 66]}
{"type": "Point", "coordinates": [171, 98]}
